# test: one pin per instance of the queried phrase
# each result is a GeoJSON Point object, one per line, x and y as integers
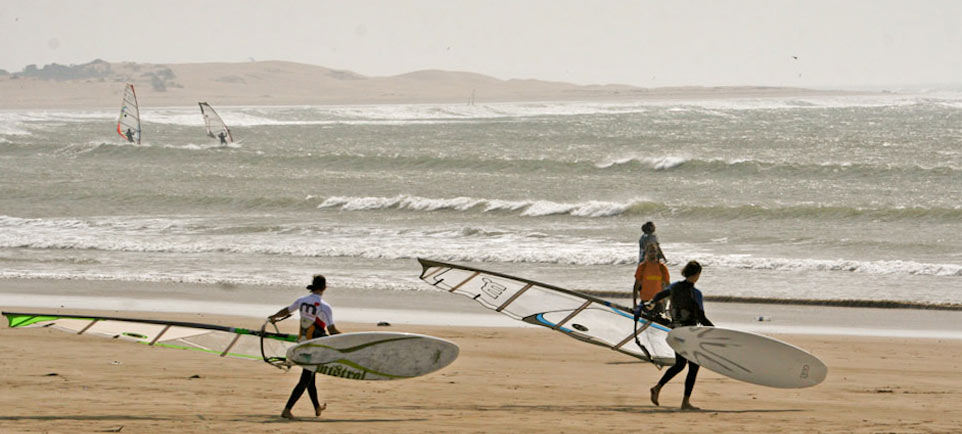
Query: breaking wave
{"type": "Point", "coordinates": [637, 207]}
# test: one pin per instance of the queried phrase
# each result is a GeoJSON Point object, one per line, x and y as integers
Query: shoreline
{"type": "Point", "coordinates": [438, 308]}
{"type": "Point", "coordinates": [876, 304]}
{"type": "Point", "coordinates": [99, 84]}
{"type": "Point", "coordinates": [158, 103]}
{"type": "Point", "coordinates": [621, 298]}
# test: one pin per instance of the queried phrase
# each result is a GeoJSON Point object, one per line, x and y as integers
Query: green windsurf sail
{"type": "Point", "coordinates": [266, 344]}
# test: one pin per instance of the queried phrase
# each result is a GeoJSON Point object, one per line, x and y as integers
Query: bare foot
{"type": "Point", "coordinates": [286, 414]}
{"type": "Point", "coordinates": [654, 394]}
{"type": "Point", "coordinates": [688, 407]}
{"type": "Point", "coordinates": [319, 409]}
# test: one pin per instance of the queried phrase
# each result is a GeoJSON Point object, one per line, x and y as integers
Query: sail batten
{"type": "Point", "coordinates": [128, 123]}
{"type": "Point", "coordinates": [216, 128]}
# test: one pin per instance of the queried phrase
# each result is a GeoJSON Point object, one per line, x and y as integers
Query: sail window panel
{"type": "Point", "coordinates": [492, 292]}
{"type": "Point", "coordinates": [449, 278]}
{"type": "Point", "coordinates": [601, 324]}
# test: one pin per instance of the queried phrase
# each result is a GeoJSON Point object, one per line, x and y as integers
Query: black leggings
{"type": "Point", "coordinates": [306, 382]}
{"type": "Point", "coordinates": [676, 368]}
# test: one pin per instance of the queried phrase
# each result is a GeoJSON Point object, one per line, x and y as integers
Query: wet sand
{"type": "Point", "coordinates": [506, 380]}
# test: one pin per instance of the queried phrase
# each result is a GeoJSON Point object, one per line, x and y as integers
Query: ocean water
{"type": "Point", "coordinates": [830, 198]}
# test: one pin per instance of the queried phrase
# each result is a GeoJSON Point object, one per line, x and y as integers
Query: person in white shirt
{"type": "Point", "coordinates": [317, 320]}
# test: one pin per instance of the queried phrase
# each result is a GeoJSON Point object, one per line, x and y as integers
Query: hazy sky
{"type": "Point", "coordinates": [644, 43]}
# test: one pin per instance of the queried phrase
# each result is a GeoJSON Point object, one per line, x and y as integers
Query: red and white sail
{"type": "Point", "coordinates": [128, 124]}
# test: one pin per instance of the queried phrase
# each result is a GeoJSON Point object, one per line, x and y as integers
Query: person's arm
{"type": "Point", "coordinates": [636, 293]}
{"type": "Point", "coordinates": [700, 301]}
{"type": "Point", "coordinates": [665, 277]}
{"type": "Point", "coordinates": [659, 296]}
{"type": "Point", "coordinates": [281, 314]}
{"type": "Point", "coordinates": [329, 318]}
{"type": "Point", "coordinates": [703, 320]}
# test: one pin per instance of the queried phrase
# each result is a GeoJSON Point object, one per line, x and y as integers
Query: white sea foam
{"type": "Point", "coordinates": [529, 208]}
{"type": "Point", "coordinates": [222, 278]}
{"type": "Point", "coordinates": [454, 244]}
{"type": "Point", "coordinates": [656, 163]}
{"type": "Point", "coordinates": [17, 122]}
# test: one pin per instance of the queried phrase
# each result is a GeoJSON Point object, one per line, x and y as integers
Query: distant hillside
{"type": "Point", "coordinates": [100, 84]}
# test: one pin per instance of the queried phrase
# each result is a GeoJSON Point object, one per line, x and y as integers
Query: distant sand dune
{"type": "Point", "coordinates": [100, 84]}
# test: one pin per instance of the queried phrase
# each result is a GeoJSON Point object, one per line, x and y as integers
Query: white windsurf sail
{"type": "Point", "coordinates": [128, 124]}
{"type": "Point", "coordinates": [269, 346]}
{"type": "Point", "coordinates": [216, 128]}
{"type": "Point", "coordinates": [580, 316]}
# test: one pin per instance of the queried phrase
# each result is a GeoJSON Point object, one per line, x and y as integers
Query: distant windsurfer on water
{"type": "Point", "coordinates": [130, 135]}
{"type": "Point", "coordinates": [317, 320]}
{"type": "Point", "coordinates": [687, 309]}
{"type": "Point", "coordinates": [222, 137]}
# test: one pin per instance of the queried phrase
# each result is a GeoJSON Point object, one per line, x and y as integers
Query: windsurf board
{"type": "Point", "coordinates": [748, 357]}
{"type": "Point", "coordinates": [374, 355]}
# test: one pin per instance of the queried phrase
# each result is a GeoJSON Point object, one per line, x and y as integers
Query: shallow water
{"type": "Point", "coordinates": [816, 198]}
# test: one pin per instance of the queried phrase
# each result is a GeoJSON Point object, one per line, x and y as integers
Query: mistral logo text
{"type": "Point", "coordinates": [342, 371]}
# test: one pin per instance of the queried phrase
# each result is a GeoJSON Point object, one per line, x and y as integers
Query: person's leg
{"type": "Point", "coordinates": [669, 374]}
{"type": "Point", "coordinates": [312, 392]}
{"type": "Point", "coordinates": [307, 378]}
{"type": "Point", "coordinates": [689, 386]}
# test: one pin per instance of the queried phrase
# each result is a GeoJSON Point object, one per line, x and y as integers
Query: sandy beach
{"type": "Point", "coordinates": [174, 173]}
{"type": "Point", "coordinates": [507, 379]}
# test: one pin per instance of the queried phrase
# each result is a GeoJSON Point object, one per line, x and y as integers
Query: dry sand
{"type": "Point", "coordinates": [288, 83]}
{"type": "Point", "coordinates": [505, 380]}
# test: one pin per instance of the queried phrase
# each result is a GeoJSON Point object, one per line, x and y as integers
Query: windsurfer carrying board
{"type": "Point", "coordinates": [317, 320]}
{"type": "Point", "coordinates": [687, 309]}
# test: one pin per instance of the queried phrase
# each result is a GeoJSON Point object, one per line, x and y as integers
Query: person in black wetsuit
{"type": "Point", "coordinates": [317, 320]}
{"type": "Point", "coordinates": [222, 137]}
{"type": "Point", "coordinates": [687, 309]}
{"type": "Point", "coordinates": [130, 135]}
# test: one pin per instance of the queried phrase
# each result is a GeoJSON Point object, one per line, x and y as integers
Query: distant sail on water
{"type": "Point", "coordinates": [216, 128]}
{"type": "Point", "coordinates": [128, 124]}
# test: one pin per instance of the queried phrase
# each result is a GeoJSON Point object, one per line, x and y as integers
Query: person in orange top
{"type": "Point", "coordinates": [651, 277]}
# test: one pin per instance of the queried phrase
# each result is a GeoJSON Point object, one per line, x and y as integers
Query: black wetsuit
{"type": "Point", "coordinates": [686, 310]}
{"type": "Point", "coordinates": [307, 378]}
